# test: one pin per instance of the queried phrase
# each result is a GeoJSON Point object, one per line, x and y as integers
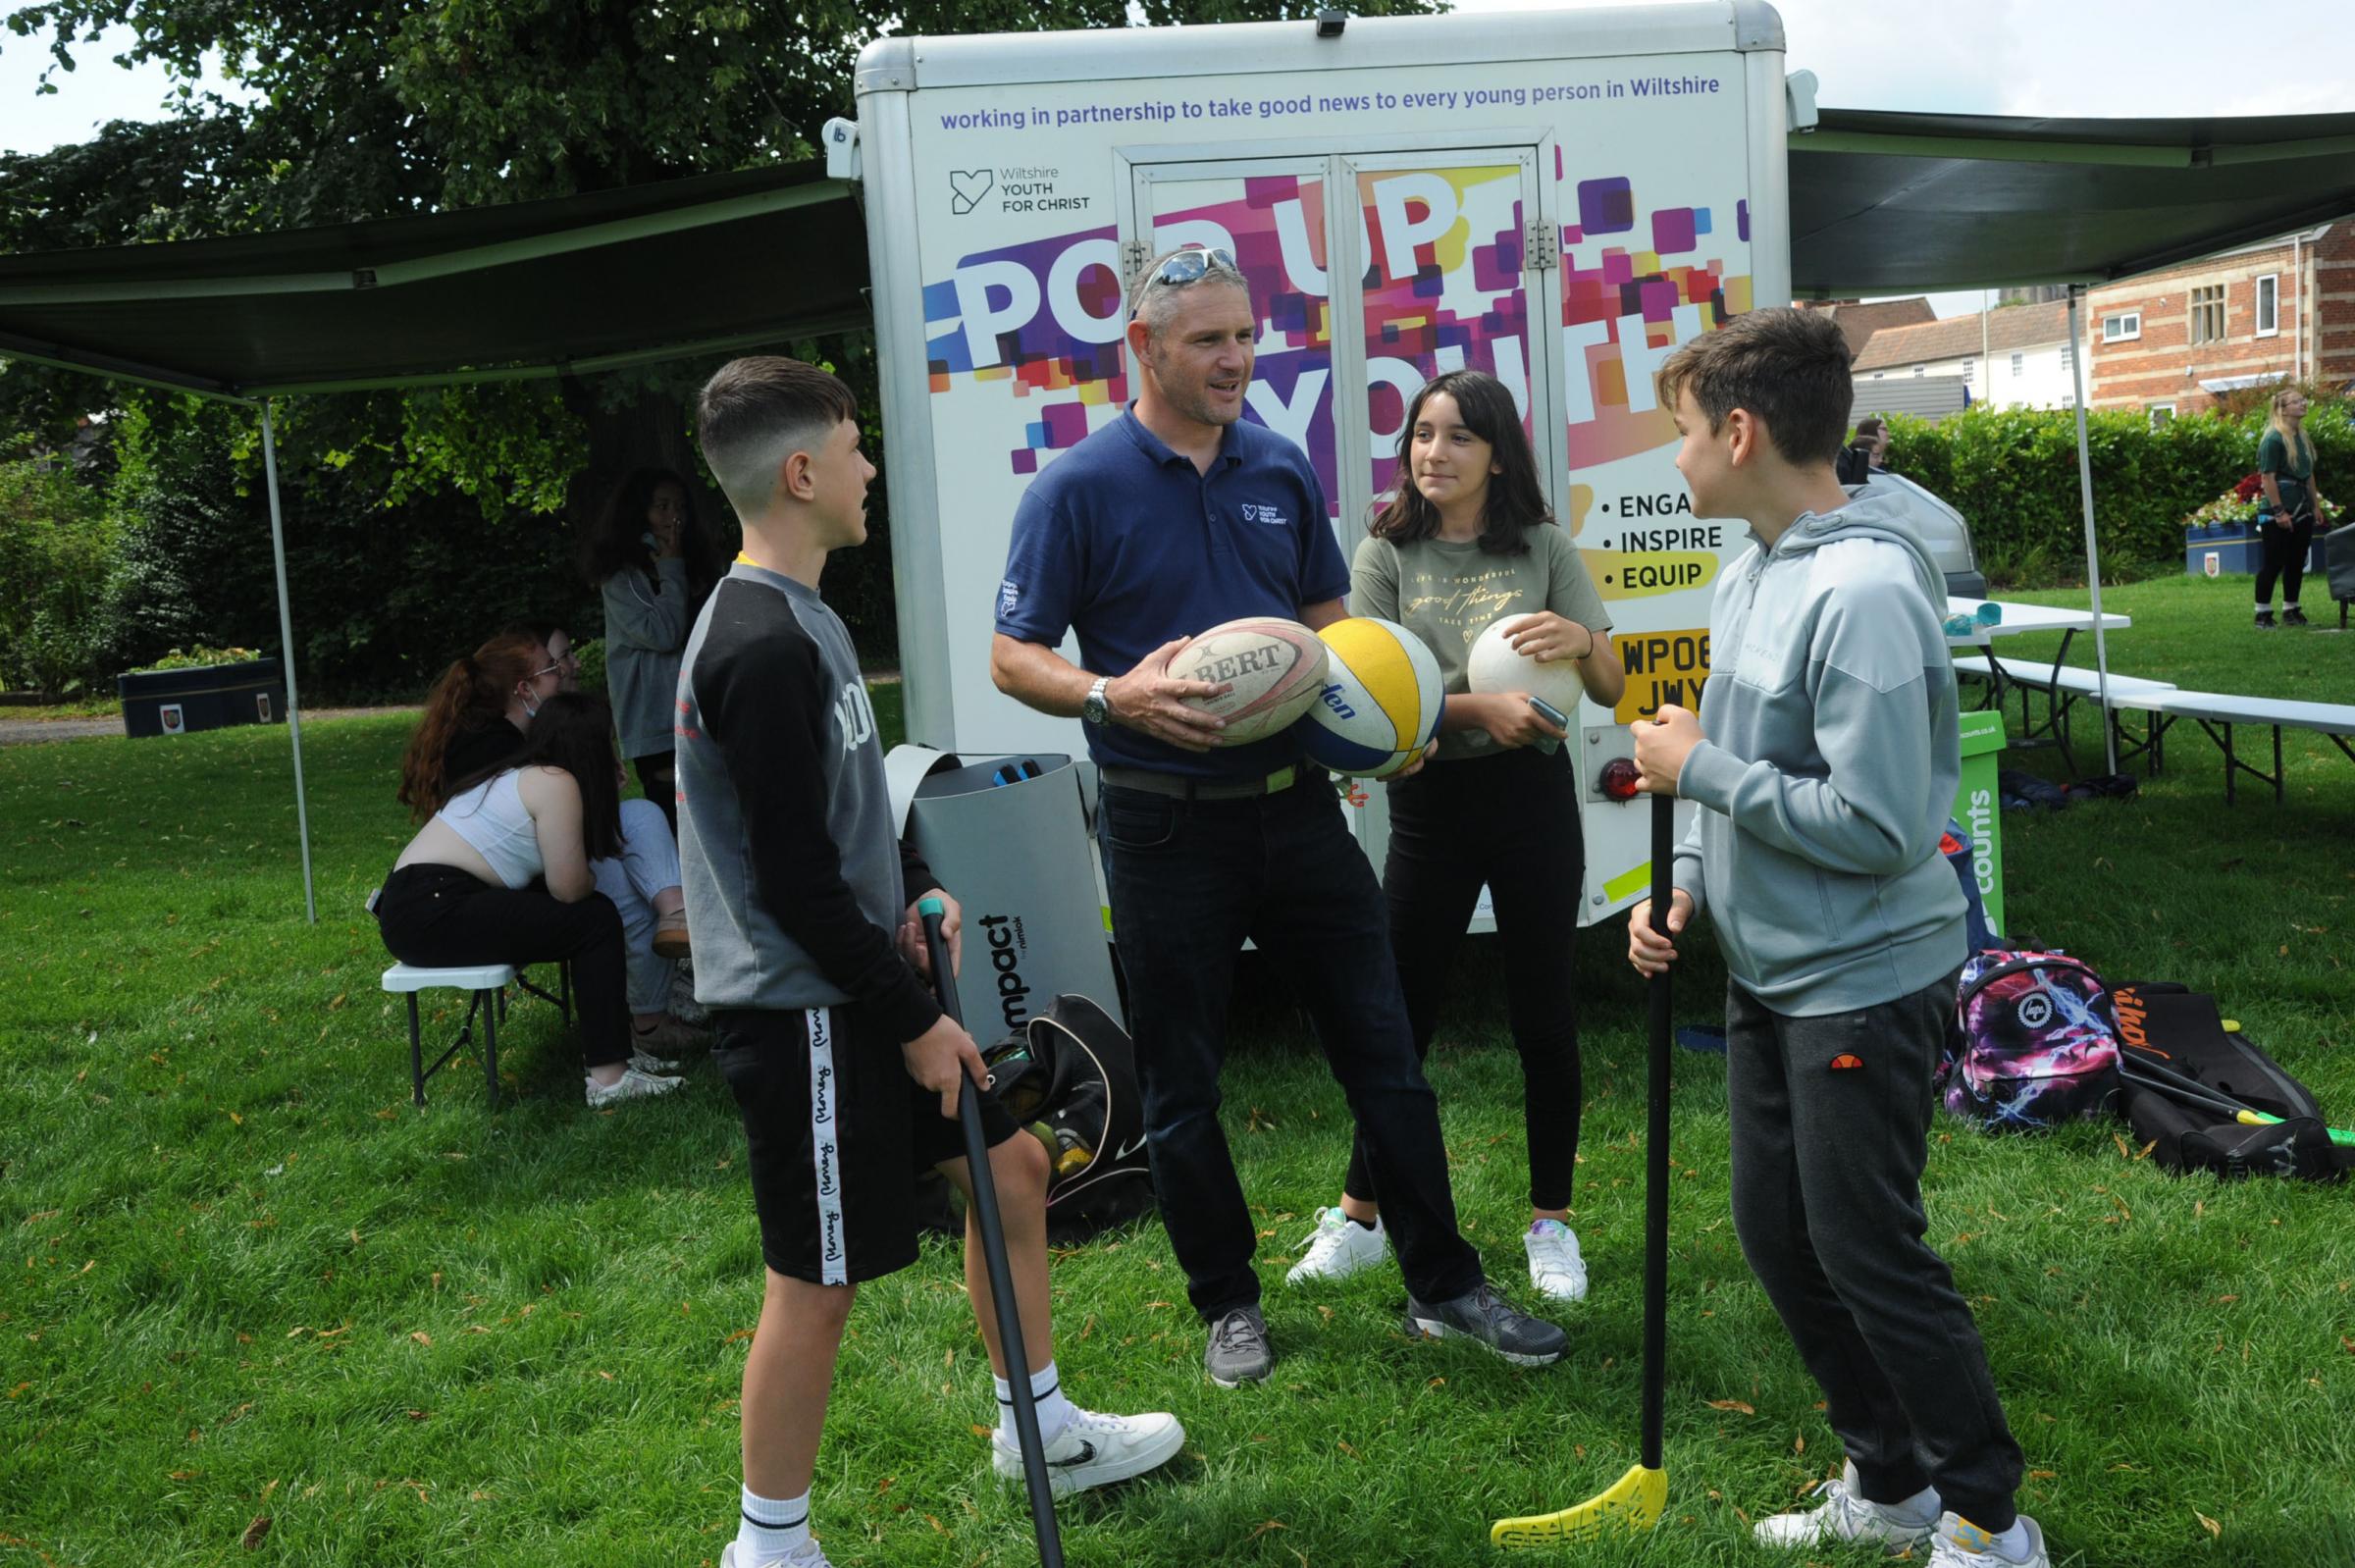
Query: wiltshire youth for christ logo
{"type": "Point", "coordinates": [966, 187]}
{"type": "Point", "coordinates": [1258, 512]}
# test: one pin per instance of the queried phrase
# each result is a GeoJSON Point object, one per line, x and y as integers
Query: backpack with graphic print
{"type": "Point", "coordinates": [1070, 1077]}
{"type": "Point", "coordinates": [2035, 1042]}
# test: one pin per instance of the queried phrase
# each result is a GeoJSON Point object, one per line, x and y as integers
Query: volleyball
{"type": "Point", "coordinates": [1380, 704]}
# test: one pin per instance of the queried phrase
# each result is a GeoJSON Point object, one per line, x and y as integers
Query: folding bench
{"type": "Point", "coordinates": [2217, 713]}
{"type": "Point", "coordinates": [2064, 686]}
{"type": "Point", "coordinates": [484, 983]}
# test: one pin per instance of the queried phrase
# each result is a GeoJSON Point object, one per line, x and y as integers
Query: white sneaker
{"type": "Point", "coordinates": [631, 1085]}
{"type": "Point", "coordinates": [651, 1066]}
{"type": "Point", "coordinates": [1096, 1450]}
{"type": "Point", "coordinates": [1339, 1247]}
{"type": "Point", "coordinates": [1844, 1515]}
{"type": "Point", "coordinates": [810, 1557]}
{"type": "Point", "coordinates": [1556, 1269]}
{"type": "Point", "coordinates": [1960, 1543]}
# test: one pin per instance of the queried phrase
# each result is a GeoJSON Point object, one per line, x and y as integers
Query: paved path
{"type": "Point", "coordinates": [34, 731]}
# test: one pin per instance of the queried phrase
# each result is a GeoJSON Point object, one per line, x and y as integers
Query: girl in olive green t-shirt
{"type": "Point", "coordinates": [1466, 541]}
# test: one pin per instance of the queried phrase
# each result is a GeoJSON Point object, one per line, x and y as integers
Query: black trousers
{"type": "Point", "coordinates": [658, 777]}
{"type": "Point", "coordinates": [2284, 551]}
{"type": "Point", "coordinates": [439, 917]}
{"type": "Point", "coordinates": [1190, 880]}
{"type": "Point", "coordinates": [1511, 821]}
{"type": "Point", "coordinates": [1827, 1161]}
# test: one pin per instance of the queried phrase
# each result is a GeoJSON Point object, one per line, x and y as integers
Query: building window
{"type": "Point", "coordinates": [2122, 328]}
{"type": "Point", "coordinates": [2208, 314]}
{"type": "Point", "coordinates": [2162, 414]}
{"type": "Point", "coordinates": [2269, 305]}
{"type": "Point", "coordinates": [1967, 368]}
{"type": "Point", "coordinates": [2069, 356]}
{"type": "Point", "coordinates": [2017, 362]}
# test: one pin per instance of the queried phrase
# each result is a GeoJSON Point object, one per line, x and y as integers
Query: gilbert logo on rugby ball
{"type": "Point", "coordinates": [1276, 666]}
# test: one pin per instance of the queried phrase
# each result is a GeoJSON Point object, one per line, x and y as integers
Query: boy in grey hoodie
{"type": "Point", "coordinates": [1823, 760]}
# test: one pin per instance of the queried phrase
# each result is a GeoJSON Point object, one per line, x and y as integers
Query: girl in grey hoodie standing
{"type": "Point", "coordinates": [653, 561]}
{"type": "Point", "coordinates": [1824, 761]}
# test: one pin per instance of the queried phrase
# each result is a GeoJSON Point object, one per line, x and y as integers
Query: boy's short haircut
{"type": "Point", "coordinates": [756, 412]}
{"type": "Point", "coordinates": [1788, 367]}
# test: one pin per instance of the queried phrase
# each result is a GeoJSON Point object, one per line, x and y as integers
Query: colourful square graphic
{"type": "Point", "coordinates": [1607, 206]}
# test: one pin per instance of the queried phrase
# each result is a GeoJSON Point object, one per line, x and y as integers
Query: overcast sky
{"type": "Point", "coordinates": [1998, 57]}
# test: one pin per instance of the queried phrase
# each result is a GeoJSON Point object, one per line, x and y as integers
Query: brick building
{"type": "Point", "coordinates": [2170, 341]}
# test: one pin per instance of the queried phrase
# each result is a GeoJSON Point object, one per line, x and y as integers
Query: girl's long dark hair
{"type": "Point", "coordinates": [471, 695]}
{"type": "Point", "coordinates": [616, 540]}
{"type": "Point", "coordinates": [574, 731]}
{"type": "Point", "coordinates": [1516, 501]}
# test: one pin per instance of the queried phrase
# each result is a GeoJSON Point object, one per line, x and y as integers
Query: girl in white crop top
{"type": "Point", "coordinates": [496, 825]}
{"type": "Point", "coordinates": [500, 874]}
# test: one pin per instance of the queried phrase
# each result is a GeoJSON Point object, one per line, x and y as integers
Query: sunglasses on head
{"type": "Point", "coordinates": [1191, 266]}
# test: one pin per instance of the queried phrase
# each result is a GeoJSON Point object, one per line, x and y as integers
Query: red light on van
{"type": "Point", "coordinates": [1619, 780]}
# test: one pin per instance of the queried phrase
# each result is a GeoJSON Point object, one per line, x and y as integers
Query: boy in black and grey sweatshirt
{"type": "Point", "coordinates": [799, 903]}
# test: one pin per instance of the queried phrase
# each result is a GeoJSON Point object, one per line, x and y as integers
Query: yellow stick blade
{"type": "Point", "coordinates": [1634, 1502]}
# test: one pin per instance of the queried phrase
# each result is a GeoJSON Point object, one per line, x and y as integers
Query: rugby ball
{"type": "Point", "coordinates": [1493, 666]}
{"type": "Point", "coordinates": [1276, 666]}
{"type": "Point", "coordinates": [1381, 702]}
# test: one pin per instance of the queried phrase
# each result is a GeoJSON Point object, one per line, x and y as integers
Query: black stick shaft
{"type": "Point", "coordinates": [1655, 1145]}
{"type": "Point", "coordinates": [1001, 1274]}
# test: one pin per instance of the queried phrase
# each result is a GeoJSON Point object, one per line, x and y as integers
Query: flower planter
{"type": "Point", "coordinates": [2235, 546]}
{"type": "Point", "coordinates": [202, 696]}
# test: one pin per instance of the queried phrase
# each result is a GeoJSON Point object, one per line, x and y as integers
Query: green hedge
{"type": "Point", "coordinates": [57, 549]}
{"type": "Point", "coordinates": [2013, 474]}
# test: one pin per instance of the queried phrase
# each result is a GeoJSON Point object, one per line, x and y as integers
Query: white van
{"type": "Point", "coordinates": [1560, 199]}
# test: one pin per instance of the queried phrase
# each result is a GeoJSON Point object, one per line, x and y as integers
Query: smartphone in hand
{"type": "Point", "coordinates": [1551, 715]}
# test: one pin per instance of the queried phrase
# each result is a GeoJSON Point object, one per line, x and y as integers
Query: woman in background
{"type": "Point", "coordinates": [654, 562]}
{"type": "Point", "coordinates": [475, 718]}
{"type": "Point", "coordinates": [2285, 523]}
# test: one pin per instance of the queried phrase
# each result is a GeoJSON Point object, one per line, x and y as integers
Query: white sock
{"type": "Point", "coordinates": [2013, 1543]}
{"type": "Point", "coordinates": [1922, 1508]}
{"type": "Point", "coordinates": [773, 1528]}
{"type": "Point", "coordinates": [1046, 1395]}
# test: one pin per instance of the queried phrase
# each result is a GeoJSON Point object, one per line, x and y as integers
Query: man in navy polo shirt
{"type": "Point", "coordinates": [1159, 526]}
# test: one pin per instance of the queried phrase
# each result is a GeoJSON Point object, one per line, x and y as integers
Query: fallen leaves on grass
{"type": "Point", "coordinates": [256, 1531]}
{"type": "Point", "coordinates": [1265, 1527]}
{"type": "Point", "coordinates": [2214, 1531]}
{"type": "Point", "coordinates": [1730, 1404]}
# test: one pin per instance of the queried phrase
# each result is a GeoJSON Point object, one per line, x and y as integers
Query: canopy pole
{"type": "Point", "coordinates": [285, 646]}
{"type": "Point", "coordinates": [2093, 549]}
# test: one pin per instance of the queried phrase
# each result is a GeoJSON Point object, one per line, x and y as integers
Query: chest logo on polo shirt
{"type": "Point", "coordinates": [1259, 513]}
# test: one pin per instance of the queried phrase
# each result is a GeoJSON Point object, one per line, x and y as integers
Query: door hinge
{"type": "Point", "coordinates": [1541, 245]}
{"type": "Point", "coordinates": [1134, 254]}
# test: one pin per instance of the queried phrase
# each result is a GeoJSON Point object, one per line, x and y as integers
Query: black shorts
{"type": "Point", "coordinates": [838, 1132]}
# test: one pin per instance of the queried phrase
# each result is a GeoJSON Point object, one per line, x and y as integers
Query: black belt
{"type": "Point", "coordinates": [1201, 789]}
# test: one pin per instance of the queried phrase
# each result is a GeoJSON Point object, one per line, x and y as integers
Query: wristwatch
{"type": "Point", "coordinates": [1093, 707]}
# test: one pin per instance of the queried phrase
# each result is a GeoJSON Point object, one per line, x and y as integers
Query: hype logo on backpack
{"type": "Point", "coordinates": [2038, 1041]}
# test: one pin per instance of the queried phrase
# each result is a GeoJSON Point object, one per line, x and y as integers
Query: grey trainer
{"type": "Point", "coordinates": [1484, 1316]}
{"type": "Point", "coordinates": [1239, 1349]}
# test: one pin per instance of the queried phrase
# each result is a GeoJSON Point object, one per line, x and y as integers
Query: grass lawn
{"type": "Point", "coordinates": [255, 1285]}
